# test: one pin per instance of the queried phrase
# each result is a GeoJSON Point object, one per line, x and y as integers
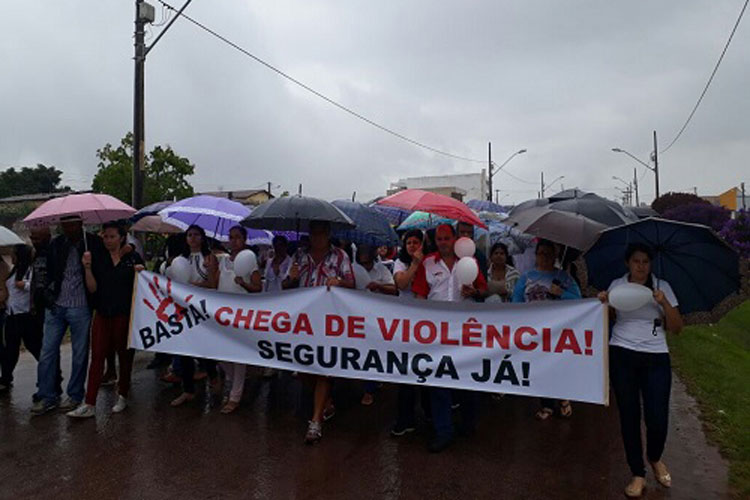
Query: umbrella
{"type": "Point", "coordinates": [701, 268]}
{"type": "Point", "coordinates": [434, 203]}
{"type": "Point", "coordinates": [536, 202]}
{"type": "Point", "coordinates": [561, 227]}
{"type": "Point", "coordinates": [568, 194]}
{"type": "Point", "coordinates": [8, 237]}
{"type": "Point", "coordinates": [596, 208]}
{"type": "Point", "coordinates": [215, 215]}
{"type": "Point", "coordinates": [295, 213]}
{"type": "Point", "coordinates": [152, 209]}
{"type": "Point", "coordinates": [92, 208]}
{"type": "Point", "coordinates": [486, 206]}
{"type": "Point", "coordinates": [372, 228]}
{"type": "Point", "coordinates": [153, 224]}
{"type": "Point", "coordinates": [394, 215]}
{"type": "Point", "coordinates": [423, 220]}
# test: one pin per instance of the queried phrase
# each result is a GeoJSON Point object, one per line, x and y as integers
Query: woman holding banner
{"type": "Point", "coordinates": [236, 272]}
{"type": "Point", "coordinates": [640, 367]}
{"type": "Point", "coordinates": [546, 282]}
{"type": "Point", "coordinates": [198, 254]}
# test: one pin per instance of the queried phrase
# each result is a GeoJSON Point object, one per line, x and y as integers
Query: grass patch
{"type": "Point", "coordinates": [714, 363]}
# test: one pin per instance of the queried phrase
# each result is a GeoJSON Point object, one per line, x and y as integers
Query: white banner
{"type": "Point", "coordinates": [555, 349]}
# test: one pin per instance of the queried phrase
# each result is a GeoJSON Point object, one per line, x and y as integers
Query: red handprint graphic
{"type": "Point", "coordinates": [165, 301]}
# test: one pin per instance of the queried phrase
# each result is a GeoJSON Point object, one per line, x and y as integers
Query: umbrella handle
{"type": "Point", "coordinates": [85, 242]}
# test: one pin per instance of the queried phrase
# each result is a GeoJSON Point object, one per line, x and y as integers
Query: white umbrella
{"type": "Point", "coordinates": [8, 237]}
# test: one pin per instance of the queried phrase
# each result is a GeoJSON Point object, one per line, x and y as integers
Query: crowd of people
{"type": "Point", "coordinates": [81, 283]}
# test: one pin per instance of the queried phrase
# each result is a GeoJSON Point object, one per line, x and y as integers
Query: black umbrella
{"type": "Point", "coordinates": [596, 208]}
{"type": "Point", "coordinates": [295, 213]}
{"type": "Point", "coordinates": [701, 267]}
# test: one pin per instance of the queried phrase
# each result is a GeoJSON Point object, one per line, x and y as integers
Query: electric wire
{"type": "Point", "coordinates": [710, 79]}
{"type": "Point", "coordinates": [319, 94]}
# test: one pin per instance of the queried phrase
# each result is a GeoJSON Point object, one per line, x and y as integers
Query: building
{"type": "Point", "coordinates": [253, 197]}
{"type": "Point", "coordinates": [732, 199]}
{"type": "Point", "coordinates": [462, 187]}
{"type": "Point", "coordinates": [14, 208]}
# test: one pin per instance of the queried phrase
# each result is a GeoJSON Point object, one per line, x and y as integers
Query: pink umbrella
{"type": "Point", "coordinates": [92, 208]}
{"type": "Point", "coordinates": [434, 203]}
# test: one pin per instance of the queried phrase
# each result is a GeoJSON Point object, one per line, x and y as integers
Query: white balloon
{"type": "Point", "coordinates": [245, 263]}
{"type": "Point", "coordinates": [466, 270]}
{"type": "Point", "coordinates": [464, 247]}
{"type": "Point", "coordinates": [629, 296]}
{"type": "Point", "coordinates": [179, 270]}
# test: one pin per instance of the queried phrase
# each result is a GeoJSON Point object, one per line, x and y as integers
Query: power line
{"type": "Point", "coordinates": [318, 94]}
{"type": "Point", "coordinates": [710, 79]}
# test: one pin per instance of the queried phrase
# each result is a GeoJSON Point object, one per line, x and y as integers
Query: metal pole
{"type": "Point", "coordinates": [497, 196]}
{"type": "Point", "coordinates": [656, 164]}
{"type": "Point", "coordinates": [744, 206]}
{"type": "Point", "coordinates": [635, 186]}
{"type": "Point", "coordinates": [139, 146]}
{"type": "Point", "coordinates": [542, 190]}
{"type": "Point", "coordinates": [489, 171]}
{"type": "Point", "coordinates": [269, 189]}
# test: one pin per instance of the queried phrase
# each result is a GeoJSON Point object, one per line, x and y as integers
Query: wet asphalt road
{"type": "Point", "coordinates": [155, 451]}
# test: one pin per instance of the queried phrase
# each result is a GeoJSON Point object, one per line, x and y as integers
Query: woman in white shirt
{"type": "Point", "coordinates": [278, 267]}
{"type": "Point", "coordinates": [501, 275]}
{"type": "Point", "coordinates": [19, 323]}
{"type": "Point", "coordinates": [228, 281]}
{"type": "Point", "coordinates": [409, 257]}
{"type": "Point", "coordinates": [640, 368]}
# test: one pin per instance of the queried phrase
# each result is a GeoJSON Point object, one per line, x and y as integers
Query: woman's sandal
{"type": "Point", "coordinates": [635, 487]}
{"type": "Point", "coordinates": [662, 474]}
{"type": "Point", "coordinates": [566, 409]}
{"type": "Point", "coordinates": [544, 413]}
{"type": "Point", "coordinates": [182, 399]}
{"type": "Point", "coordinates": [229, 407]}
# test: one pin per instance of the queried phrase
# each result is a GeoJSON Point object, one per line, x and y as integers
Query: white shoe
{"type": "Point", "coordinates": [83, 411]}
{"type": "Point", "coordinates": [121, 404]}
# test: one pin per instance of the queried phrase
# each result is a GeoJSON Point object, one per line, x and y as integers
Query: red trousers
{"type": "Point", "coordinates": [109, 334]}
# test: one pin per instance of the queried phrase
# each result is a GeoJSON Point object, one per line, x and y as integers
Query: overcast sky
{"type": "Point", "coordinates": [566, 80]}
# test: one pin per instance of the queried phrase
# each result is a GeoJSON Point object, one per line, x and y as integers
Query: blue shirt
{"type": "Point", "coordinates": [534, 285]}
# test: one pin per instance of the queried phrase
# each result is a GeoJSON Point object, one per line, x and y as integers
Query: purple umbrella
{"type": "Point", "coordinates": [215, 215]}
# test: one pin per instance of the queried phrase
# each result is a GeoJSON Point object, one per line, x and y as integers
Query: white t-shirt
{"type": "Point", "coordinates": [197, 267]}
{"type": "Point", "coordinates": [400, 267]}
{"type": "Point", "coordinates": [227, 274]}
{"type": "Point", "coordinates": [272, 282]}
{"type": "Point", "coordinates": [634, 330]}
{"type": "Point", "coordinates": [378, 274]}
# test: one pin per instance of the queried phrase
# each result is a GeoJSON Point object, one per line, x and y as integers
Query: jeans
{"type": "Point", "coordinates": [441, 400]}
{"type": "Point", "coordinates": [18, 327]}
{"type": "Point", "coordinates": [645, 375]}
{"type": "Point", "coordinates": [56, 321]}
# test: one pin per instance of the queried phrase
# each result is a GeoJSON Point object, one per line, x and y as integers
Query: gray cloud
{"type": "Point", "coordinates": [567, 80]}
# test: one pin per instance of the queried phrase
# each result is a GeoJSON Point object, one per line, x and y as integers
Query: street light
{"type": "Point", "coordinates": [546, 186]}
{"type": "Point", "coordinates": [492, 171]}
{"type": "Point", "coordinates": [628, 191]}
{"type": "Point", "coordinates": [654, 169]}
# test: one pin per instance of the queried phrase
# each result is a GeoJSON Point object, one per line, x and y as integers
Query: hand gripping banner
{"type": "Point", "coordinates": [555, 349]}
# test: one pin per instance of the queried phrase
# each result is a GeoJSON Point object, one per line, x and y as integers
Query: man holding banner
{"type": "Point", "coordinates": [437, 279]}
{"type": "Point", "coordinates": [323, 265]}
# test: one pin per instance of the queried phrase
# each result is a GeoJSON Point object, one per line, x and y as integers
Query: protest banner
{"type": "Point", "coordinates": [555, 349]}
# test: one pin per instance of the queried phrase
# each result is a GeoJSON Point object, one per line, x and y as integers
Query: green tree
{"type": "Point", "coordinates": [28, 180]}
{"type": "Point", "coordinates": [165, 174]}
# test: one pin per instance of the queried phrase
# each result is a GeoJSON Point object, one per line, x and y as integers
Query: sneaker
{"type": "Point", "coordinates": [121, 404]}
{"type": "Point", "coordinates": [69, 404]}
{"type": "Point", "coordinates": [314, 432]}
{"type": "Point", "coordinates": [41, 407]}
{"type": "Point", "coordinates": [329, 413]}
{"type": "Point", "coordinates": [83, 411]}
{"type": "Point", "coordinates": [401, 429]}
{"type": "Point", "coordinates": [440, 443]}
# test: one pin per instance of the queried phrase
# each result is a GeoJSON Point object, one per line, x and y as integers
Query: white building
{"type": "Point", "coordinates": [463, 187]}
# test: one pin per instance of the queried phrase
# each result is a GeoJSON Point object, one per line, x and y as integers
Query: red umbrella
{"type": "Point", "coordinates": [438, 204]}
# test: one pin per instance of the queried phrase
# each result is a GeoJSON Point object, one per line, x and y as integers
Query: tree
{"type": "Point", "coordinates": [700, 213]}
{"type": "Point", "coordinates": [672, 200]}
{"type": "Point", "coordinates": [28, 180]}
{"type": "Point", "coordinates": [165, 173]}
{"type": "Point", "coordinates": [737, 232]}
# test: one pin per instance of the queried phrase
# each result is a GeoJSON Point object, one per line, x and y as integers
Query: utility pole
{"type": "Point", "coordinates": [542, 190]}
{"type": "Point", "coordinates": [655, 157]}
{"type": "Point", "coordinates": [635, 187]}
{"type": "Point", "coordinates": [269, 189]}
{"type": "Point", "coordinates": [744, 205]}
{"type": "Point", "coordinates": [489, 171]}
{"type": "Point", "coordinates": [497, 196]}
{"type": "Point", "coordinates": [139, 146]}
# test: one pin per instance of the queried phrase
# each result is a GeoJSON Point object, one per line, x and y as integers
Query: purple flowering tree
{"type": "Point", "coordinates": [737, 232]}
{"type": "Point", "coordinates": [700, 213]}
